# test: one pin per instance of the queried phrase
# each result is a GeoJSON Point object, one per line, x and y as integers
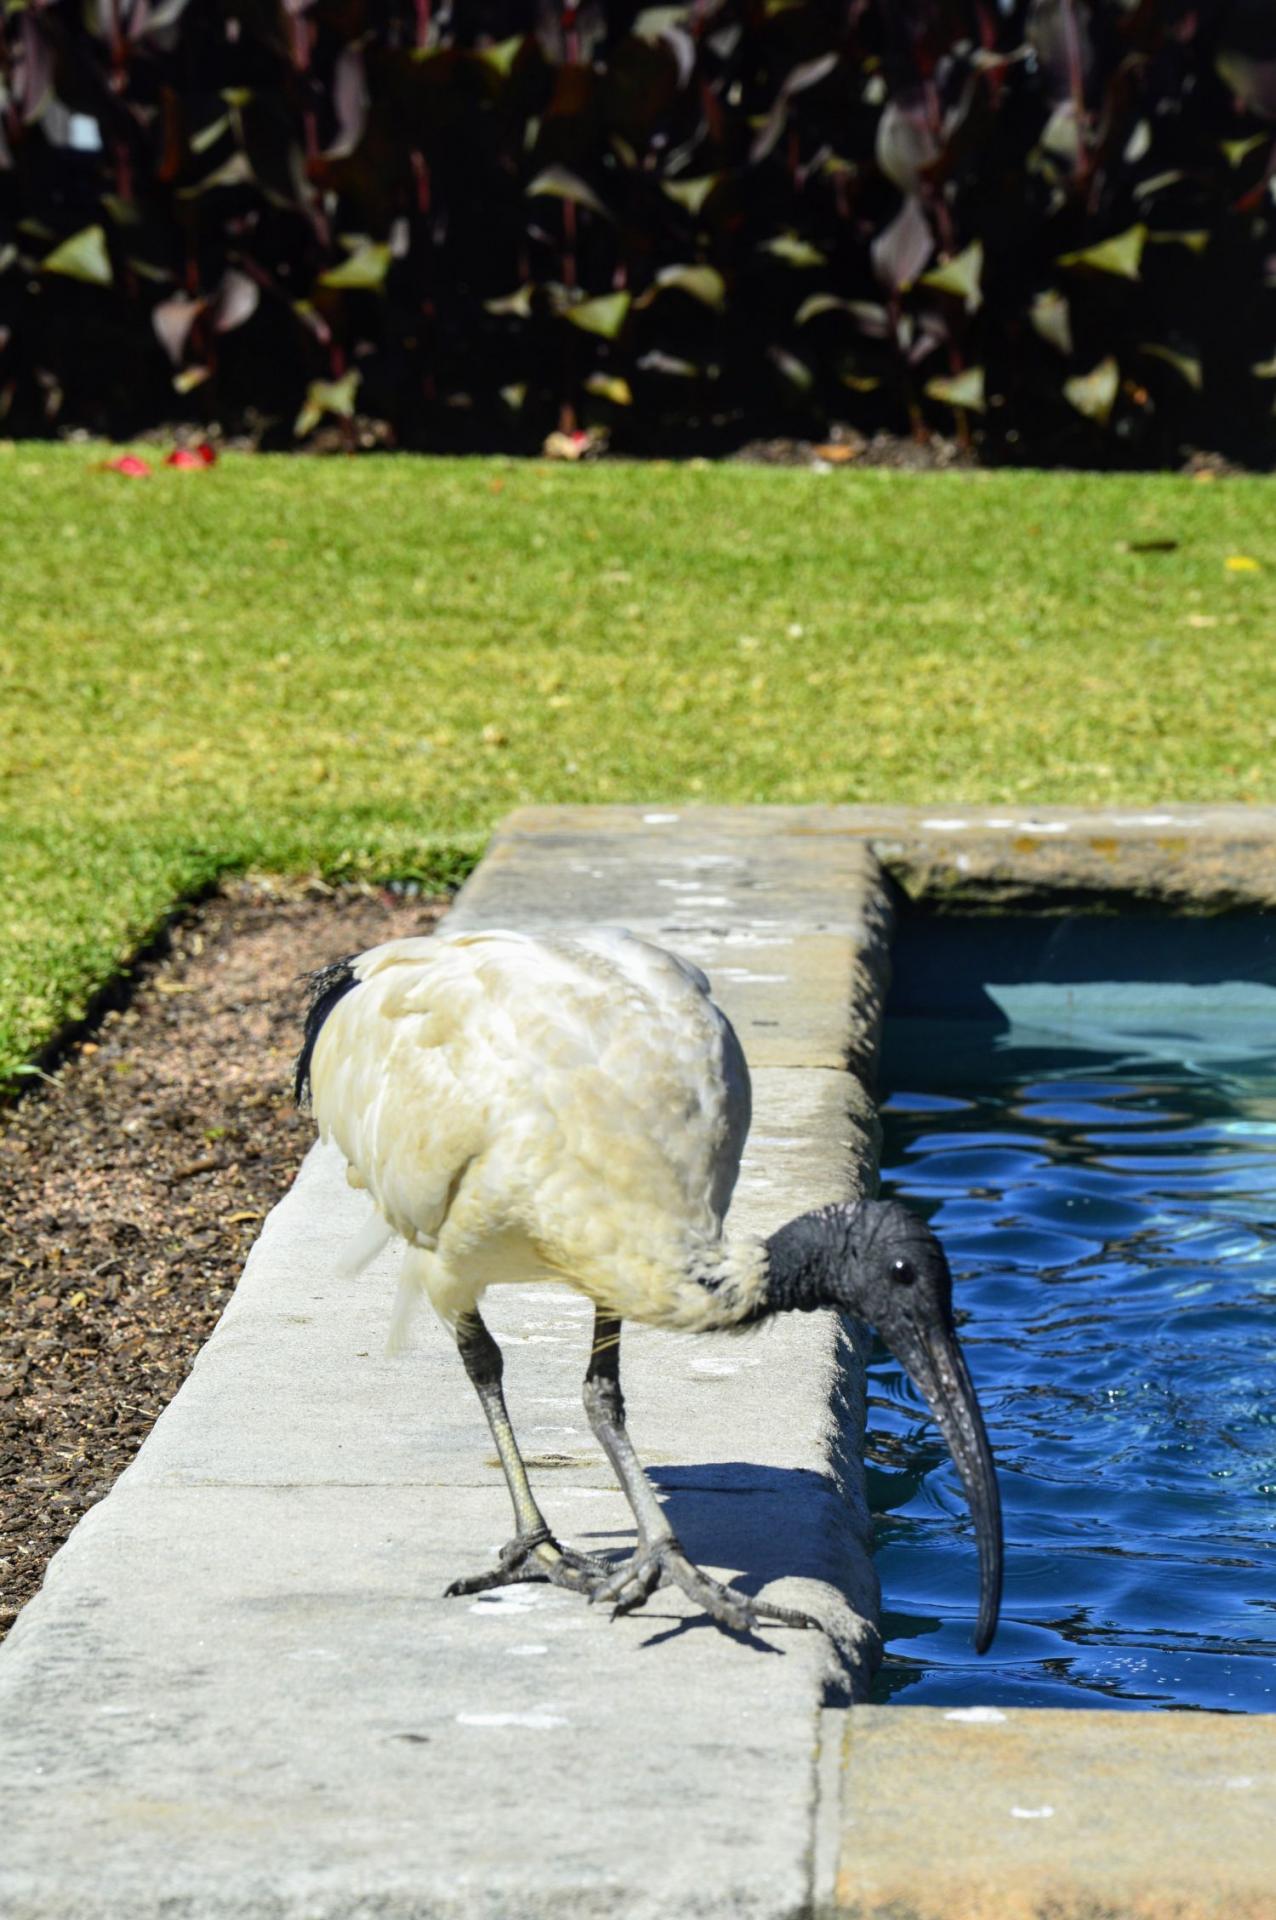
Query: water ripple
{"type": "Point", "coordinates": [1113, 1244]}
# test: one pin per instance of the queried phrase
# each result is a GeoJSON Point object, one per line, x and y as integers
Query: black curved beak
{"type": "Point", "coordinates": [937, 1365]}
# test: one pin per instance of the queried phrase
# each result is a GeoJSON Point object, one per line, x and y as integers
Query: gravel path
{"type": "Point", "coordinates": [132, 1185]}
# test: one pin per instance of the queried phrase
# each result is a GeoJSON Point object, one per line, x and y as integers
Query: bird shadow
{"type": "Point", "coordinates": [757, 1523]}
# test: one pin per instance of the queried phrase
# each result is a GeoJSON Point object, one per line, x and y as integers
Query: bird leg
{"type": "Point", "coordinates": [659, 1560]}
{"type": "Point", "coordinates": [533, 1553]}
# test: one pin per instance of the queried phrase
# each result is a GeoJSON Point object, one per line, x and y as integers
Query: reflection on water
{"type": "Point", "coordinates": [1110, 1215]}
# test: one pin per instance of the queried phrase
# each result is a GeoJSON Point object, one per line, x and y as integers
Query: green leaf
{"type": "Point", "coordinates": [147, 270]}
{"type": "Point", "coordinates": [702, 283]}
{"type": "Point", "coordinates": [961, 275]}
{"type": "Point", "coordinates": [653, 21]}
{"type": "Point", "coordinates": [691, 194]}
{"type": "Point", "coordinates": [604, 315]}
{"type": "Point", "coordinates": [610, 386]}
{"type": "Point", "coordinates": [1094, 393]}
{"type": "Point", "coordinates": [1120, 254]}
{"type": "Point", "coordinates": [1184, 364]}
{"type": "Point", "coordinates": [1145, 189]}
{"type": "Point", "coordinates": [209, 136]}
{"type": "Point", "coordinates": [501, 57]}
{"type": "Point", "coordinates": [558, 184]}
{"type": "Point", "coordinates": [191, 377]}
{"type": "Point", "coordinates": [964, 390]}
{"type": "Point", "coordinates": [1195, 239]}
{"type": "Point", "coordinates": [1264, 369]}
{"type": "Point", "coordinates": [327, 396]}
{"type": "Point", "coordinates": [519, 302]}
{"type": "Point", "coordinates": [1051, 318]}
{"type": "Point", "coordinates": [658, 362]}
{"type": "Point", "coordinates": [817, 303]}
{"type": "Point", "coordinates": [795, 371]}
{"type": "Point", "coordinates": [366, 268]}
{"type": "Point", "coordinates": [1234, 151]}
{"type": "Point", "coordinates": [82, 257]}
{"type": "Point", "coordinates": [793, 250]}
{"type": "Point", "coordinates": [1251, 77]}
{"type": "Point", "coordinates": [124, 213]}
{"type": "Point", "coordinates": [235, 172]}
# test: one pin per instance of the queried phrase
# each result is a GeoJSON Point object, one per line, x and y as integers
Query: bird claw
{"type": "Point", "coordinates": [665, 1564]}
{"type": "Point", "coordinates": [536, 1557]}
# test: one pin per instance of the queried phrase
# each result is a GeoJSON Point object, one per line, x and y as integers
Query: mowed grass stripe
{"type": "Point", "coordinates": [359, 666]}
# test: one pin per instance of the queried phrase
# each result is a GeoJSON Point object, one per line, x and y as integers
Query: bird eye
{"type": "Point", "coordinates": [903, 1273]}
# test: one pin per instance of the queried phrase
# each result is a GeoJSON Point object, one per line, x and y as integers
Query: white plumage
{"type": "Point", "coordinates": [565, 1107]}
{"type": "Point", "coordinates": [573, 1107]}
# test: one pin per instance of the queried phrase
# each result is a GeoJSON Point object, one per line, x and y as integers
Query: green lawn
{"type": "Point", "coordinates": [359, 666]}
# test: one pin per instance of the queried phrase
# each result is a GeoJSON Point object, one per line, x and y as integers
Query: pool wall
{"type": "Point", "coordinates": [1069, 1814]}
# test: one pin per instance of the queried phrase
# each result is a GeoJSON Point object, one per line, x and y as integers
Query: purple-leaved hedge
{"type": "Point", "coordinates": [1048, 223]}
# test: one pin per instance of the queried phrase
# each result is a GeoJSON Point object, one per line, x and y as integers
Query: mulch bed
{"type": "Point", "coordinates": [134, 1181]}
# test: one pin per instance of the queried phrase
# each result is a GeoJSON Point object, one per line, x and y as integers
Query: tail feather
{"type": "Point", "coordinates": [412, 1290]}
{"type": "Point", "coordinates": [373, 1235]}
{"type": "Point", "coordinates": [327, 986]}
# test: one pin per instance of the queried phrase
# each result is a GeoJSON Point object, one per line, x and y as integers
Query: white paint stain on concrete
{"type": "Point", "coordinates": [504, 1600]}
{"type": "Point", "coordinates": [526, 1649]}
{"type": "Point", "coordinates": [659, 819]}
{"type": "Point", "coordinates": [1032, 1813]}
{"type": "Point", "coordinates": [980, 1716]}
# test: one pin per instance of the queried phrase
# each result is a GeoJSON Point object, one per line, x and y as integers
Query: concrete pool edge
{"type": "Point", "coordinates": [1175, 857]}
{"type": "Point", "coordinates": [973, 1813]}
{"type": "Point", "coordinates": [1172, 858]}
{"type": "Point", "coordinates": [240, 1691]}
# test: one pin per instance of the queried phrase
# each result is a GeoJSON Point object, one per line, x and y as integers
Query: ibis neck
{"type": "Point", "coordinates": [804, 1262]}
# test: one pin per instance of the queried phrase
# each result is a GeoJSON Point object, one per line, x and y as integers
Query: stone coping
{"type": "Point", "coordinates": [1173, 858]}
{"type": "Point", "coordinates": [981, 1814]}
{"type": "Point", "coordinates": [241, 1690]}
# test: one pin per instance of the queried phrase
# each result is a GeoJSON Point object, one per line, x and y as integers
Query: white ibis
{"type": "Point", "coordinates": [573, 1107]}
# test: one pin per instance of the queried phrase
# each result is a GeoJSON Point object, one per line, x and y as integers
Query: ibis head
{"type": "Point", "coordinates": [881, 1263]}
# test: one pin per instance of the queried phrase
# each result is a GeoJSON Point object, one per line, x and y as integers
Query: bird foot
{"type": "Point", "coordinates": [536, 1556]}
{"type": "Point", "coordinates": [666, 1565]}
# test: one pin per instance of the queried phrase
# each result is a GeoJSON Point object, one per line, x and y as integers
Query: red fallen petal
{"type": "Point", "coordinates": [200, 456]}
{"type": "Point", "coordinates": [130, 464]}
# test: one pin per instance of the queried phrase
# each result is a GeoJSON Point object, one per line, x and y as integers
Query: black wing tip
{"type": "Point", "coordinates": [327, 985]}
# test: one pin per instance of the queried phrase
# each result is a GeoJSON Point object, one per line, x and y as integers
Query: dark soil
{"type": "Point", "coordinates": [134, 1181]}
{"type": "Point", "coordinates": [843, 446]}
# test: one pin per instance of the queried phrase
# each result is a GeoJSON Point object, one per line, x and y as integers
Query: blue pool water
{"type": "Point", "coordinates": [1098, 1155]}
